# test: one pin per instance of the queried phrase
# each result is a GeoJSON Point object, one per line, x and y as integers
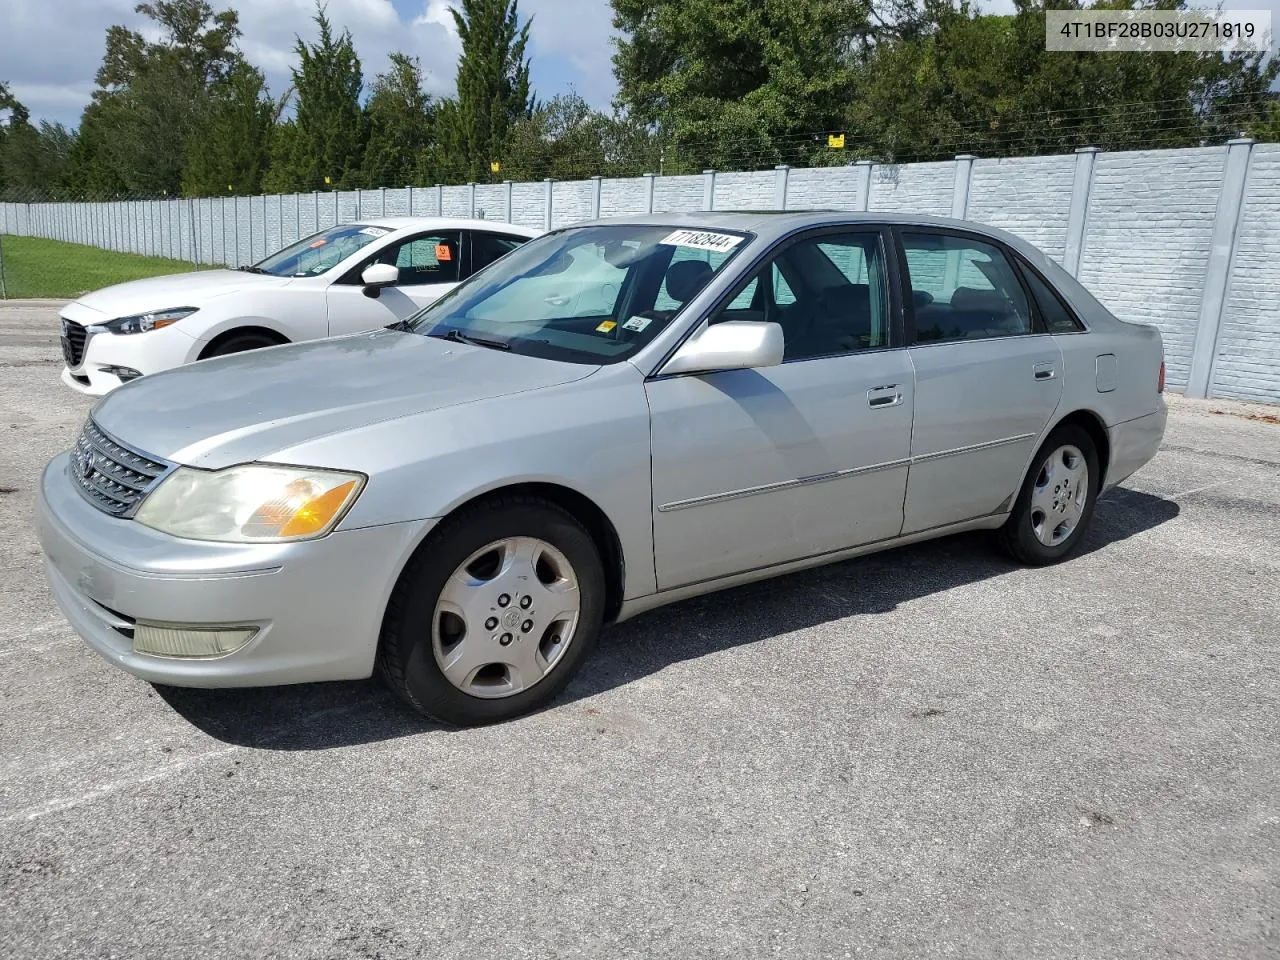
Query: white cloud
{"type": "Point", "coordinates": [50, 50]}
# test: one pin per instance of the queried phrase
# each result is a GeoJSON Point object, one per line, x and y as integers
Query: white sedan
{"type": "Point", "coordinates": [346, 279]}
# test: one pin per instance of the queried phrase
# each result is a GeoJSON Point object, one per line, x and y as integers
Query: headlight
{"type": "Point", "coordinates": [154, 320]}
{"type": "Point", "coordinates": [254, 503]}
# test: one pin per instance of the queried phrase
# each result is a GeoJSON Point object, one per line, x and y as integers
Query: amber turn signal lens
{"type": "Point", "coordinates": [314, 515]}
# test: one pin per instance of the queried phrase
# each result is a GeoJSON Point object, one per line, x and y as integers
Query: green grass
{"type": "Point", "coordinates": [34, 267]}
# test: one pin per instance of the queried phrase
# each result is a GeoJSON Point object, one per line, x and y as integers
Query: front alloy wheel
{"type": "Point", "coordinates": [495, 613]}
{"type": "Point", "coordinates": [505, 617]}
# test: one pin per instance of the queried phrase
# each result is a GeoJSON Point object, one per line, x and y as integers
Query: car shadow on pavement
{"type": "Point", "coordinates": [319, 716]}
{"type": "Point", "coordinates": [867, 585]}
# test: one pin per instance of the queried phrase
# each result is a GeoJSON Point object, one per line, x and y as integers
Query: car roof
{"type": "Point", "coordinates": [773, 224]}
{"type": "Point", "coordinates": [447, 223]}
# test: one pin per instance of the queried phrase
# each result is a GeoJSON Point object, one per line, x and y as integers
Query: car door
{"type": "Point", "coordinates": [757, 467]}
{"type": "Point", "coordinates": [987, 378]}
{"type": "Point", "coordinates": [429, 265]}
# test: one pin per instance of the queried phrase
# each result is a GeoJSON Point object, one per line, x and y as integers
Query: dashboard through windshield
{"type": "Point", "coordinates": [586, 294]}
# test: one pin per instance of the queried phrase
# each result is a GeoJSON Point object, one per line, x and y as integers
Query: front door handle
{"type": "Point", "coordinates": [886, 396]}
{"type": "Point", "coordinates": [1045, 371]}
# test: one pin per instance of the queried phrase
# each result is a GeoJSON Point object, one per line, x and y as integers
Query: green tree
{"type": "Point", "coordinates": [492, 90]}
{"type": "Point", "coordinates": [1267, 127]}
{"type": "Point", "coordinates": [566, 139]}
{"type": "Point", "coordinates": [399, 116]}
{"type": "Point", "coordinates": [984, 84]}
{"type": "Point", "coordinates": [152, 96]}
{"type": "Point", "coordinates": [328, 131]}
{"type": "Point", "coordinates": [32, 158]}
{"type": "Point", "coordinates": [737, 83]}
{"type": "Point", "coordinates": [230, 151]}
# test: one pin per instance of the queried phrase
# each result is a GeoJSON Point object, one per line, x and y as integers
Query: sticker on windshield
{"type": "Point", "coordinates": [374, 232]}
{"type": "Point", "coordinates": [637, 323]}
{"type": "Point", "coordinates": [443, 253]}
{"type": "Point", "coordinates": [702, 240]}
{"type": "Point", "coordinates": [607, 326]}
{"type": "Point", "coordinates": [318, 244]}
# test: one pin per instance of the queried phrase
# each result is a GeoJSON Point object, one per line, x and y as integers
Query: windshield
{"type": "Point", "coordinates": [321, 251]}
{"type": "Point", "coordinates": [586, 294]}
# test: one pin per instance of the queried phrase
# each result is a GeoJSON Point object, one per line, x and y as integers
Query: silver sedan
{"type": "Point", "coordinates": [614, 416]}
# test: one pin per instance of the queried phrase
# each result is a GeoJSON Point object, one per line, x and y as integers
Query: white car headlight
{"type": "Point", "coordinates": [152, 320]}
{"type": "Point", "coordinates": [254, 503]}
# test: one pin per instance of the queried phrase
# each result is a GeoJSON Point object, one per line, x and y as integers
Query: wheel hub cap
{"type": "Point", "coordinates": [505, 617]}
{"type": "Point", "coordinates": [1059, 495]}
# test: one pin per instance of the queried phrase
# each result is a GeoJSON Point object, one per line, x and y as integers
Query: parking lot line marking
{"type": "Point", "coordinates": [1207, 486]}
{"type": "Point", "coordinates": [97, 793]}
{"type": "Point", "coordinates": [68, 803]}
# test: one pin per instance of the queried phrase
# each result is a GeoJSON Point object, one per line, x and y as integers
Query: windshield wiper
{"type": "Point", "coordinates": [459, 337]}
{"type": "Point", "coordinates": [251, 269]}
{"type": "Point", "coordinates": [404, 326]}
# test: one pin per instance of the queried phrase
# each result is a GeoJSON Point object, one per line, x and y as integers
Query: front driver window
{"type": "Point", "coordinates": [830, 295]}
{"type": "Point", "coordinates": [421, 259]}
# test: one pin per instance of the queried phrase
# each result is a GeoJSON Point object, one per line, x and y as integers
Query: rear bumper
{"type": "Point", "coordinates": [317, 605]}
{"type": "Point", "coordinates": [1134, 443]}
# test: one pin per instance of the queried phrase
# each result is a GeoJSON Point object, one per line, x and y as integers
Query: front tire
{"type": "Point", "coordinates": [1057, 499]}
{"type": "Point", "coordinates": [495, 614]}
{"type": "Point", "coordinates": [238, 343]}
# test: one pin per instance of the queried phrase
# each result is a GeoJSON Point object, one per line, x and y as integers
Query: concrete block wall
{"type": "Point", "coordinates": [1150, 227]}
{"type": "Point", "coordinates": [1187, 240]}
{"type": "Point", "coordinates": [1246, 362]}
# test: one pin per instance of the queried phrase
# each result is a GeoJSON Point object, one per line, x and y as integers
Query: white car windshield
{"type": "Point", "coordinates": [586, 294]}
{"type": "Point", "coordinates": [319, 252]}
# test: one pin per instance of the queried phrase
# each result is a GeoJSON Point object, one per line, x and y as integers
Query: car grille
{"type": "Point", "coordinates": [109, 475]}
{"type": "Point", "coordinates": [73, 341]}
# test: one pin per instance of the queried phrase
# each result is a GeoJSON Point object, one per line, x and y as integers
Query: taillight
{"type": "Point", "coordinates": [1160, 382]}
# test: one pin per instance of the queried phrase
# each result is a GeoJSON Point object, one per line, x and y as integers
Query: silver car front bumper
{"type": "Point", "coordinates": [317, 605]}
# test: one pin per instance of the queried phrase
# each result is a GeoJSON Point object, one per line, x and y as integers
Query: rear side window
{"type": "Point", "coordinates": [1057, 317]}
{"type": "Point", "coordinates": [488, 247]}
{"type": "Point", "coordinates": [963, 289]}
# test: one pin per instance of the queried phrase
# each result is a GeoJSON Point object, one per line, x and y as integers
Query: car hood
{"type": "Point", "coordinates": [176, 290]}
{"type": "Point", "coordinates": [248, 406]}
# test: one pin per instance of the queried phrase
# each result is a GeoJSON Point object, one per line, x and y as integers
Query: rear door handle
{"type": "Point", "coordinates": [886, 396]}
{"type": "Point", "coordinates": [1045, 371]}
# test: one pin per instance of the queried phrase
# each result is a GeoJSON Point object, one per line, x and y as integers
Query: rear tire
{"type": "Point", "coordinates": [1057, 499]}
{"type": "Point", "coordinates": [238, 343]}
{"type": "Point", "coordinates": [495, 613]}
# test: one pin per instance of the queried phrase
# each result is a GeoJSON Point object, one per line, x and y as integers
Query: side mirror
{"type": "Point", "coordinates": [379, 275]}
{"type": "Point", "coordinates": [732, 345]}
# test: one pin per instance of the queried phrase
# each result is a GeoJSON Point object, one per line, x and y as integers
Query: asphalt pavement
{"type": "Point", "coordinates": [931, 752]}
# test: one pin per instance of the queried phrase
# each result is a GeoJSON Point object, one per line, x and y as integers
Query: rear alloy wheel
{"type": "Point", "coordinates": [1057, 499]}
{"type": "Point", "coordinates": [495, 614]}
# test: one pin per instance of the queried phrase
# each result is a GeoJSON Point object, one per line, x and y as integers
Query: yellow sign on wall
{"type": "Point", "coordinates": [835, 141]}
{"type": "Point", "coordinates": [495, 167]}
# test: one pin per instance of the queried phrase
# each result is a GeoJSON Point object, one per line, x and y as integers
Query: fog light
{"type": "Point", "coordinates": [124, 373]}
{"type": "Point", "coordinates": [158, 641]}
